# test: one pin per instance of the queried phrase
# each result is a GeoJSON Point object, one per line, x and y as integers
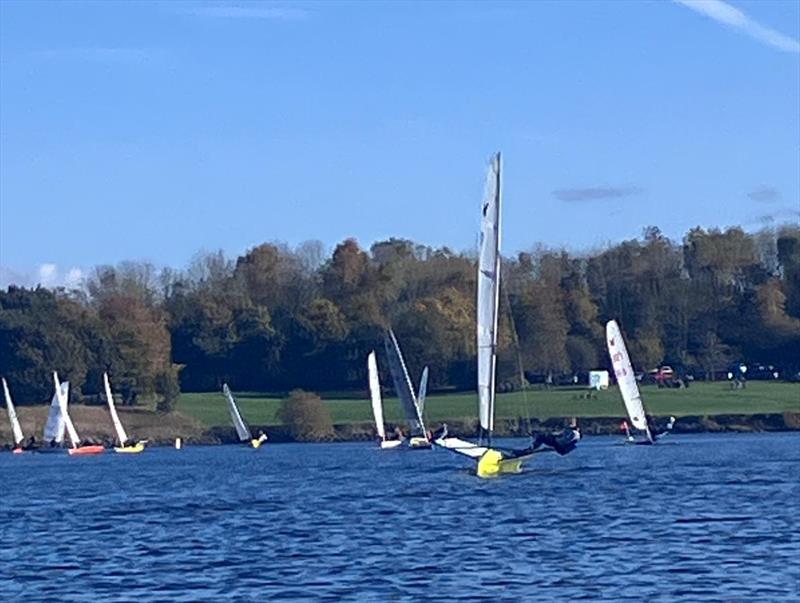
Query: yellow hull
{"type": "Point", "coordinates": [492, 464]}
{"type": "Point", "coordinates": [256, 442]}
{"type": "Point", "coordinates": [135, 449]}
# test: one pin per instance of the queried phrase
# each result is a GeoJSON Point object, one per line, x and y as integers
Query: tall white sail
{"type": "Point", "coordinates": [238, 422]}
{"type": "Point", "coordinates": [375, 394]}
{"type": "Point", "coordinates": [12, 415]}
{"type": "Point", "coordinates": [55, 427]}
{"type": "Point", "coordinates": [62, 391]}
{"type": "Point", "coordinates": [121, 435]}
{"type": "Point", "coordinates": [488, 295]}
{"type": "Point", "coordinates": [402, 384]}
{"type": "Point", "coordinates": [625, 376]}
{"type": "Point", "coordinates": [423, 390]}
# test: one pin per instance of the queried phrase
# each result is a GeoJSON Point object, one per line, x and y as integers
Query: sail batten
{"type": "Point", "coordinates": [375, 394]}
{"type": "Point", "coordinates": [402, 384]}
{"type": "Point", "coordinates": [488, 296]}
{"type": "Point", "coordinates": [12, 415]}
{"type": "Point", "coordinates": [626, 378]}
{"type": "Point", "coordinates": [242, 430]}
{"type": "Point", "coordinates": [121, 435]}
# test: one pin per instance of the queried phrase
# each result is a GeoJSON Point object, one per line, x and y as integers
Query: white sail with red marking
{"type": "Point", "coordinates": [626, 379]}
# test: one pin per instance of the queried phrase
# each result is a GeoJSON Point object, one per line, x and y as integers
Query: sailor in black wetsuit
{"type": "Point", "coordinates": [562, 442]}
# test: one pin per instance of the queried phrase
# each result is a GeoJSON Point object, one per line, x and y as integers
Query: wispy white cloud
{"type": "Point", "coordinates": [47, 275]}
{"type": "Point", "coordinates": [274, 13]}
{"type": "Point", "coordinates": [729, 15]}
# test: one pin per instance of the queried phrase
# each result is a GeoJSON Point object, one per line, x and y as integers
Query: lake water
{"type": "Point", "coordinates": [706, 518]}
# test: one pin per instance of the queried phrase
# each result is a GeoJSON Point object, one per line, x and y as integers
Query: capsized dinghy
{"type": "Point", "coordinates": [242, 430]}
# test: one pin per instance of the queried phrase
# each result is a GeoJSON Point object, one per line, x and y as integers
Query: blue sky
{"type": "Point", "coordinates": [151, 131]}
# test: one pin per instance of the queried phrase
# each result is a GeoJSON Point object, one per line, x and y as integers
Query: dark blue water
{"type": "Point", "coordinates": [703, 518]}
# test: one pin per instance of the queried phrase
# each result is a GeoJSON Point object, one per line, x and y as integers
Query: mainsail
{"type": "Point", "coordinates": [375, 394]}
{"type": "Point", "coordinates": [62, 391]}
{"type": "Point", "coordinates": [12, 415]}
{"type": "Point", "coordinates": [402, 384]}
{"type": "Point", "coordinates": [626, 377]}
{"type": "Point", "coordinates": [55, 427]}
{"type": "Point", "coordinates": [488, 296]}
{"type": "Point", "coordinates": [423, 390]}
{"type": "Point", "coordinates": [238, 422]}
{"type": "Point", "coordinates": [121, 435]}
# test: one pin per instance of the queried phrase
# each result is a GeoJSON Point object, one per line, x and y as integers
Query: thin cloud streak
{"type": "Point", "coordinates": [249, 12]}
{"type": "Point", "coordinates": [728, 15]}
{"type": "Point", "coordinates": [596, 193]}
{"type": "Point", "coordinates": [764, 193]}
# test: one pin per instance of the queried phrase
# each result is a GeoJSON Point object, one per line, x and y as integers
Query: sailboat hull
{"type": "Point", "coordinates": [493, 463]}
{"type": "Point", "coordinates": [135, 449]}
{"type": "Point", "coordinates": [86, 450]}
{"type": "Point", "coordinates": [390, 444]}
{"type": "Point", "coordinates": [17, 451]}
{"type": "Point", "coordinates": [419, 443]}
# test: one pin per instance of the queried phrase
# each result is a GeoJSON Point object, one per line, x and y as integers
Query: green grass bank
{"type": "Point", "coordinates": [701, 399]}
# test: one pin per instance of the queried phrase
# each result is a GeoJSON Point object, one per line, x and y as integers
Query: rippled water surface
{"type": "Point", "coordinates": [705, 518]}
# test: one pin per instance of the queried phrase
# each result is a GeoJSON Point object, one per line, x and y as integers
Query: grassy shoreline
{"type": "Point", "coordinates": [702, 399]}
{"type": "Point", "coordinates": [204, 418]}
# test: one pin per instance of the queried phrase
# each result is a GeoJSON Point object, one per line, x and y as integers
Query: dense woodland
{"type": "Point", "coordinates": [276, 318]}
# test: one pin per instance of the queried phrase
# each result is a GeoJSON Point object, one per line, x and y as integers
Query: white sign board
{"type": "Point", "coordinates": [598, 379]}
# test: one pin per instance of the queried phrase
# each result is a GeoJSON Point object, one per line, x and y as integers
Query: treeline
{"type": "Point", "coordinates": [276, 318]}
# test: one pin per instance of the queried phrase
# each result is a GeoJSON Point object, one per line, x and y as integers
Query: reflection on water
{"type": "Point", "coordinates": [707, 518]}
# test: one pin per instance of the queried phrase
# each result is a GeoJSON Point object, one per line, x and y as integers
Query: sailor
{"type": "Point", "coordinates": [440, 433]}
{"type": "Point", "coordinates": [562, 442]}
{"type": "Point", "coordinates": [657, 433]}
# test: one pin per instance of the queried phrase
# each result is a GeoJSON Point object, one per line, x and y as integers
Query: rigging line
{"type": "Point", "coordinates": [522, 381]}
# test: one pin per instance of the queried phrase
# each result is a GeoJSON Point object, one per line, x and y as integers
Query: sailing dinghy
{"type": "Point", "coordinates": [126, 445]}
{"type": "Point", "coordinates": [242, 430]}
{"type": "Point", "coordinates": [12, 417]}
{"type": "Point", "coordinates": [491, 460]}
{"type": "Point", "coordinates": [377, 403]}
{"type": "Point", "coordinates": [628, 388]}
{"type": "Point", "coordinates": [405, 391]}
{"type": "Point", "coordinates": [62, 393]}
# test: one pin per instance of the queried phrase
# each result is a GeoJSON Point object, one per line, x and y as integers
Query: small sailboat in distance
{"type": "Point", "coordinates": [242, 430]}
{"type": "Point", "coordinates": [492, 460]}
{"type": "Point", "coordinates": [12, 417]}
{"type": "Point", "coordinates": [628, 388]}
{"type": "Point", "coordinates": [125, 445]}
{"type": "Point", "coordinates": [377, 402]}
{"type": "Point", "coordinates": [405, 391]}
{"type": "Point", "coordinates": [63, 400]}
